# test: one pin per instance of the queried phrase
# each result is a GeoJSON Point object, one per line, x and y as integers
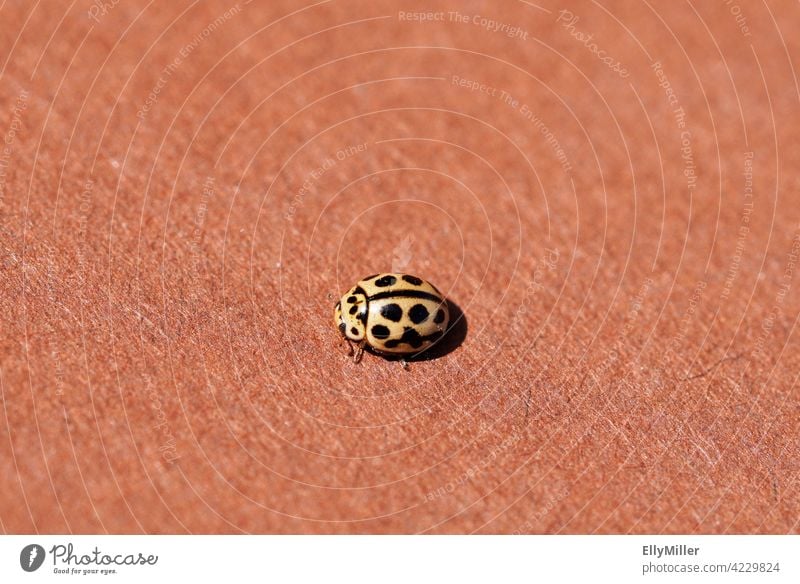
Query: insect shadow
{"type": "Point", "coordinates": [451, 340]}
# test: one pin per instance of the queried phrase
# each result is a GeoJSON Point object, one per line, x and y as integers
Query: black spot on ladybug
{"type": "Point", "coordinates": [412, 337]}
{"type": "Point", "coordinates": [353, 309]}
{"type": "Point", "coordinates": [380, 332]}
{"type": "Point", "coordinates": [342, 327]}
{"type": "Point", "coordinates": [434, 336]}
{"type": "Point", "coordinates": [354, 330]}
{"type": "Point", "coordinates": [351, 299]}
{"type": "Point", "coordinates": [392, 312]}
{"type": "Point", "coordinates": [385, 281]}
{"type": "Point", "coordinates": [362, 316]}
{"type": "Point", "coordinates": [418, 313]}
{"type": "Point", "coordinates": [439, 318]}
{"type": "Point", "coordinates": [412, 280]}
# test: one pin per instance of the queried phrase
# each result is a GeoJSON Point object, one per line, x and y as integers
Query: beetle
{"type": "Point", "coordinates": [392, 314]}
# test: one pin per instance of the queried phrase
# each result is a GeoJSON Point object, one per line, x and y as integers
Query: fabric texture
{"type": "Point", "coordinates": [606, 192]}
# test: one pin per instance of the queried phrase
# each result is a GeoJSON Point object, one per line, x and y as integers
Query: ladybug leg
{"type": "Point", "coordinates": [404, 365]}
{"type": "Point", "coordinates": [359, 352]}
{"type": "Point", "coordinates": [350, 351]}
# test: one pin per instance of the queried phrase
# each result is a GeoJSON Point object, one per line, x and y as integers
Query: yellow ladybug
{"type": "Point", "coordinates": [393, 314]}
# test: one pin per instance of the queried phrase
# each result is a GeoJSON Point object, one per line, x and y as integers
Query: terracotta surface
{"type": "Point", "coordinates": [187, 188]}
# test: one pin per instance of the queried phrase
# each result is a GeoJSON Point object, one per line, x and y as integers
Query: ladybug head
{"type": "Point", "coordinates": [350, 314]}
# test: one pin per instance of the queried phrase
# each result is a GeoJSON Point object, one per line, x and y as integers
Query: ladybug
{"type": "Point", "coordinates": [392, 314]}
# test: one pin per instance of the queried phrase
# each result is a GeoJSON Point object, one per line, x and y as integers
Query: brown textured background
{"type": "Point", "coordinates": [171, 253]}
